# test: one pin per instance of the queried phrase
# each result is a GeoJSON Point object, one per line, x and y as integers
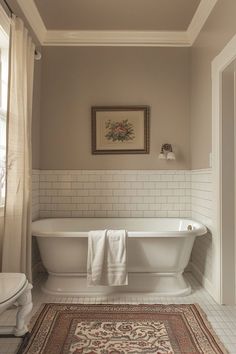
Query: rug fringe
{"type": "Point", "coordinates": [210, 328]}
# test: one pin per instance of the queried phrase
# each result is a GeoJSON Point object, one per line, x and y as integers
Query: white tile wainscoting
{"type": "Point", "coordinates": [201, 210]}
{"type": "Point", "coordinates": [130, 193]}
{"type": "Point", "coordinates": [201, 192]}
{"type": "Point", "coordinates": [35, 194]}
{"type": "Point", "coordinates": [119, 193]}
{"type": "Point", "coordinates": [114, 193]}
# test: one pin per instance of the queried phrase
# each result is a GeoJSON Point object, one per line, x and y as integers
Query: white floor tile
{"type": "Point", "coordinates": [222, 318]}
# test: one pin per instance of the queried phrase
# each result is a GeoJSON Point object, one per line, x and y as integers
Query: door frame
{"type": "Point", "coordinates": [220, 62]}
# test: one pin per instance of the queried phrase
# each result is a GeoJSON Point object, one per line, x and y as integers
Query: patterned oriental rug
{"type": "Point", "coordinates": [121, 329]}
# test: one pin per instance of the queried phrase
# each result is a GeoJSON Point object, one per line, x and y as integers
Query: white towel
{"type": "Point", "coordinates": [106, 263]}
{"type": "Point", "coordinates": [95, 260]}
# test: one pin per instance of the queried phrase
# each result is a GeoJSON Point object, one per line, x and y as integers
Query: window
{"type": "Point", "coordinates": [4, 56]}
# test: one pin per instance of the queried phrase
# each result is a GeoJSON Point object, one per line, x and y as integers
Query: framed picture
{"type": "Point", "coordinates": [120, 130]}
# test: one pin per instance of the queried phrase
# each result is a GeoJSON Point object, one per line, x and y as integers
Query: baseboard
{"type": "Point", "coordinates": [207, 285]}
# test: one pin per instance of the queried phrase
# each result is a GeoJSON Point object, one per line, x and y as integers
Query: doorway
{"type": "Point", "coordinates": [224, 173]}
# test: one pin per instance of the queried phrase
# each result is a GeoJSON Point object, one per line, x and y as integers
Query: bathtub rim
{"type": "Point", "coordinates": [199, 231]}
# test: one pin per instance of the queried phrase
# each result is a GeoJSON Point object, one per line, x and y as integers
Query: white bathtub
{"type": "Point", "coordinates": [158, 252]}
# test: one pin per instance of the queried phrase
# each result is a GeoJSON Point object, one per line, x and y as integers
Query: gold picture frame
{"type": "Point", "coordinates": [120, 129]}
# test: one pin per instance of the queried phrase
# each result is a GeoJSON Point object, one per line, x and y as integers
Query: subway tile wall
{"type": "Point", "coordinates": [35, 194]}
{"type": "Point", "coordinates": [201, 206]}
{"type": "Point", "coordinates": [123, 193]}
{"type": "Point", "coordinates": [201, 193]}
{"type": "Point", "coordinates": [114, 193]}
{"type": "Point", "coordinates": [130, 193]}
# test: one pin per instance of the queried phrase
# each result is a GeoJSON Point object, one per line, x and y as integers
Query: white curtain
{"type": "Point", "coordinates": [17, 219]}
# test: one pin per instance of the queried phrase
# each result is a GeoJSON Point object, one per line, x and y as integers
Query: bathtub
{"type": "Point", "coordinates": [158, 251]}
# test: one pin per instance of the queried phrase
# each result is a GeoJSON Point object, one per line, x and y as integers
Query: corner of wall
{"type": "Point", "coordinates": [201, 209]}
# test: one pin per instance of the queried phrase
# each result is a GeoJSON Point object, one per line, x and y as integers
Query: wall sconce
{"type": "Point", "coordinates": [166, 152]}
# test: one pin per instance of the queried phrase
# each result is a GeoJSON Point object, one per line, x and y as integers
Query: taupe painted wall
{"type": "Point", "coordinates": [218, 30]}
{"type": "Point", "coordinates": [76, 78]}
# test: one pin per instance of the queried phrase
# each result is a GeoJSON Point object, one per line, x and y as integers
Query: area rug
{"type": "Point", "coordinates": [121, 329]}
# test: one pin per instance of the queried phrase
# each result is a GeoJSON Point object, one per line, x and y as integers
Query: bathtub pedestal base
{"type": "Point", "coordinates": [163, 284]}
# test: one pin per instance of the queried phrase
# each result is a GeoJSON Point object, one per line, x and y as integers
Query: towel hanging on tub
{"type": "Point", "coordinates": [106, 262]}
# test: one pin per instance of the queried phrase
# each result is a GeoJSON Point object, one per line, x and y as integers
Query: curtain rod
{"type": "Point", "coordinates": [37, 54]}
{"type": "Point", "coordinates": [8, 7]}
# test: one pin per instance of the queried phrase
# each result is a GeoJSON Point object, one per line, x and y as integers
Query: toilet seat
{"type": "Point", "coordinates": [15, 290]}
{"type": "Point", "coordinates": [10, 285]}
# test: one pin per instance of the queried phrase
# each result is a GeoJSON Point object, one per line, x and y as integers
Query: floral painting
{"type": "Point", "coordinates": [120, 130]}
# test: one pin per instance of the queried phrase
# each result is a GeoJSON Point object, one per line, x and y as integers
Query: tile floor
{"type": "Point", "coordinates": [222, 318]}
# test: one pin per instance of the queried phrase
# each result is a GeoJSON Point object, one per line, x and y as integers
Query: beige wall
{"type": "Point", "coordinates": [75, 78]}
{"type": "Point", "coordinates": [218, 30]}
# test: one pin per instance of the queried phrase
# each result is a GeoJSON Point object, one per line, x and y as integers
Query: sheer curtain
{"type": "Point", "coordinates": [17, 220]}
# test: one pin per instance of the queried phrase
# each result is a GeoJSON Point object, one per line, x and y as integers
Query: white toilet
{"type": "Point", "coordinates": [15, 289]}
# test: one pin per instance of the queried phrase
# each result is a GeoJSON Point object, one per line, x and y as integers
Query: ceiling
{"type": "Point", "coordinates": [115, 22]}
{"type": "Point", "coordinates": [135, 15]}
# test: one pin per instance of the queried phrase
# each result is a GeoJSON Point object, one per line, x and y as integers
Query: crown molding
{"type": "Point", "coordinates": [117, 38]}
{"type": "Point", "coordinates": [201, 15]}
{"type": "Point", "coordinates": [32, 14]}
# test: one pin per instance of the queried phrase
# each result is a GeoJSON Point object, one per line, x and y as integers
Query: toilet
{"type": "Point", "coordinates": [15, 290]}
